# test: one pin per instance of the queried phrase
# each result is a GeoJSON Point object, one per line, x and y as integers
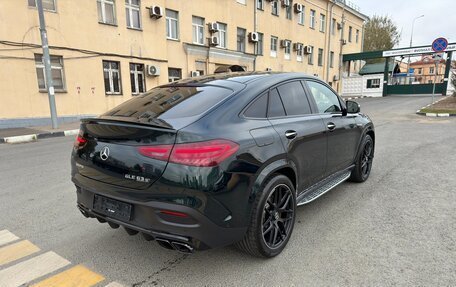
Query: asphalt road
{"type": "Point", "coordinates": [398, 228]}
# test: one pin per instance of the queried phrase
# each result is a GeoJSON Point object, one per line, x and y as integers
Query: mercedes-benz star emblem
{"type": "Point", "coordinates": [104, 153]}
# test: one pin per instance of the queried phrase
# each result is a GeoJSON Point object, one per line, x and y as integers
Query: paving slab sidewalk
{"type": "Point", "coordinates": [21, 135]}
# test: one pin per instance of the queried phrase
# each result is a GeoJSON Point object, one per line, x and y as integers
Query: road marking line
{"type": "Point", "coordinates": [16, 251]}
{"type": "Point", "coordinates": [7, 237]}
{"type": "Point", "coordinates": [31, 269]}
{"type": "Point", "coordinates": [114, 284]}
{"type": "Point", "coordinates": [77, 276]}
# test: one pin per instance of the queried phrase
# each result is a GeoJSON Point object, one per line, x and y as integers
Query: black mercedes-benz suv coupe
{"type": "Point", "coordinates": [220, 159]}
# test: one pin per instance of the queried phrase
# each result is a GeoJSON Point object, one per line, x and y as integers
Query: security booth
{"type": "Point", "coordinates": [407, 80]}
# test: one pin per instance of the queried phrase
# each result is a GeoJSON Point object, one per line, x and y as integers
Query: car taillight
{"type": "Point", "coordinates": [80, 141]}
{"type": "Point", "coordinates": [204, 154]}
{"type": "Point", "coordinates": [160, 152]}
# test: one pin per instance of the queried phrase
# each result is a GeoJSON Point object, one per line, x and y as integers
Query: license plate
{"type": "Point", "coordinates": [112, 208]}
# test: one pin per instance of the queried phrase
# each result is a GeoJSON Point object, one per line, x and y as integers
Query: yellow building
{"type": "Point", "coordinates": [106, 51]}
{"type": "Point", "coordinates": [426, 72]}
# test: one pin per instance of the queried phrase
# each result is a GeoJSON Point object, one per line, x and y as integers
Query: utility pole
{"type": "Point", "coordinates": [47, 64]}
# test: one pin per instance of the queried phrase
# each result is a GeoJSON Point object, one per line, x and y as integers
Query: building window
{"type": "Point", "coordinates": [222, 35]}
{"type": "Point", "coordinates": [350, 32]}
{"type": "Point", "coordinates": [373, 83]}
{"type": "Point", "coordinates": [299, 54]}
{"type": "Point", "coordinates": [275, 7]}
{"type": "Point", "coordinates": [420, 71]}
{"type": "Point", "coordinates": [301, 16]}
{"type": "Point", "coordinates": [260, 4]}
{"type": "Point", "coordinates": [174, 74]}
{"type": "Point", "coordinates": [310, 57]}
{"type": "Point", "coordinates": [47, 4]}
{"type": "Point", "coordinates": [172, 24]}
{"type": "Point", "coordinates": [320, 57]}
{"type": "Point", "coordinates": [357, 36]}
{"type": "Point", "coordinates": [288, 10]}
{"type": "Point", "coordinates": [259, 44]}
{"type": "Point", "coordinates": [431, 70]}
{"type": "Point", "coordinates": [322, 23]}
{"type": "Point", "coordinates": [331, 59]}
{"type": "Point", "coordinates": [106, 11]}
{"type": "Point", "coordinates": [57, 72]}
{"type": "Point", "coordinates": [111, 71]}
{"type": "Point", "coordinates": [137, 80]}
{"type": "Point", "coordinates": [287, 50]}
{"type": "Point", "coordinates": [333, 26]}
{"type": "Point", "coordinates": [274, 41]}
{"type": "Point", "coordinates": [133, 12]}
{"type": "Point", "coordinates": [241, 39]}
{"type": "Point", "coordinates": [312, 19]}
{"type": "Point", "coordinates": [198, 30]}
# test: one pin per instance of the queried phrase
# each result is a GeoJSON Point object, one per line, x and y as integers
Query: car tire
{"type": "Point", "coordinates": [364, 159]}
{"type": "Point", "coordinates": [275, 209]}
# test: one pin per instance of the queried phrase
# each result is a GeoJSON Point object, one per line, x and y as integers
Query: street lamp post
{"type": "Point", "coordinates": [411, 42]}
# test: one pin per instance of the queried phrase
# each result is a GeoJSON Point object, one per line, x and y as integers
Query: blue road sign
{"type": "Point", "coordinates": [439, 44]}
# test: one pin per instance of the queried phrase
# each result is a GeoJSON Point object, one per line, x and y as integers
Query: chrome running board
{"type": "Point", "coordinates": [321, 188]}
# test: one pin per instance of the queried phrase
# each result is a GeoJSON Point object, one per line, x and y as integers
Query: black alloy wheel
{"type": "Point", "coordinates": [273, 217]}
{"type": "Point", "coordinates": [278, 214]}
{"type": "Point", "coordinates": [363, 164]}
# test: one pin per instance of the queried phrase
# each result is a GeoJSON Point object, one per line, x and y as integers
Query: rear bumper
{"type": "Point", "coordinates": [196, 229]}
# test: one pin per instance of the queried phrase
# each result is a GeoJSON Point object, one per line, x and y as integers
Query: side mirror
{"type": "Point", "coordinates": [352, 107]}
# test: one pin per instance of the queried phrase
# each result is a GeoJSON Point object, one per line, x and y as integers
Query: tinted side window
{"type": "Point", "coordinates": [326, 100]}
{"type": "Point", "coordinates": [258, 108]}
{"type": "Point", "coordinates": [294, 99]}
{"type": "Point", "coordinates": [275, 105]}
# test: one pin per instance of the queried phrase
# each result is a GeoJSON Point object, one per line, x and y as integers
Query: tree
{"type": "Point", "coordinates": [380, 34]}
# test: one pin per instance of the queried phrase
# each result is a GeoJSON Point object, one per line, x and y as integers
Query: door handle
{"type": "Point", "coordinates": [290, 134]}
{"type": "Point", "coordinates": [331, 126]}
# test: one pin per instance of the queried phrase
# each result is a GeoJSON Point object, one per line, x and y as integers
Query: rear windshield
{"type": "Point", "coordinates": [171, 102]}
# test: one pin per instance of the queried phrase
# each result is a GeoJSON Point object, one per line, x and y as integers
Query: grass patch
{"type": "Point", "coordinates": [445, 106]}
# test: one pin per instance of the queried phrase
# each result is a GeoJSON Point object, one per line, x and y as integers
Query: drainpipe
{"type": "Point", "coordinates": [341, 46]}
{"type": "Point", "coordinates": [328, 49]}
{"type": "Point", "coordinates": [255, 24]}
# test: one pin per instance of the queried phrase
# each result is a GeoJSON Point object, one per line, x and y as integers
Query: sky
{"type": "Point", "coordinates": [439, 18]}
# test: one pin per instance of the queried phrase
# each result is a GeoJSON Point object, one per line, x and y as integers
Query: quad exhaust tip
{"type": "Point", "coordinates": [175, 245]}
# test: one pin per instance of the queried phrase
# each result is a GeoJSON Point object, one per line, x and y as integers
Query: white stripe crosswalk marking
{"type": "Point", "coordinates": [31, 269]}
{"type": "Point", "coordinates": [7, 237]}
{"type": "Point", "coordinates": [114, 284]}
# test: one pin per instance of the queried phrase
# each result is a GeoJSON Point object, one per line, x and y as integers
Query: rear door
{"type": "Point", "coordinates": [342, 131]}
{"type": "Point", "coordinates": [302, 133]}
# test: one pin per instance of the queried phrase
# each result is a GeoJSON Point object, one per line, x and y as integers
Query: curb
{"type": "Point", "coordinates": [354, 98]}
{"type": "Point", "coordinates": [434, 114]}
{"type": "Point", "coordinates": [35, 137]}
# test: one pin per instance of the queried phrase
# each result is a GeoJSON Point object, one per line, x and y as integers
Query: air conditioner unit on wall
{"type": "Point", "coordinates": [214, 27]}
{"type": "Point", "coordinates": [307, 50]}
{"type": "Point", "coordinates": [284, 43]}
{"type": "Point", "coordinates": [344, 42]}
{"type": "Point", "coordinates": [298, 7]}
{"type": "Point", "coordinates": [253, 37]}
{"type": "Point", "coordinates": [156, 12]}
{"type": "Point", "coordinates": [214, 41]}
{"type": "Point", "coordinates": [153, 70]}
{"type": "Point", "coordinates": [297, 46]}
{"type": "Point", "coordinates": [286, 3]}
{"type": "Point", "coordinates": [336, 78]}
{"type": "Point", "coordinates": [339, 26]}
{"type": "Point", "coordinates": [268, 69]}
{"type": "Point", "coordinates": [194, 74]}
